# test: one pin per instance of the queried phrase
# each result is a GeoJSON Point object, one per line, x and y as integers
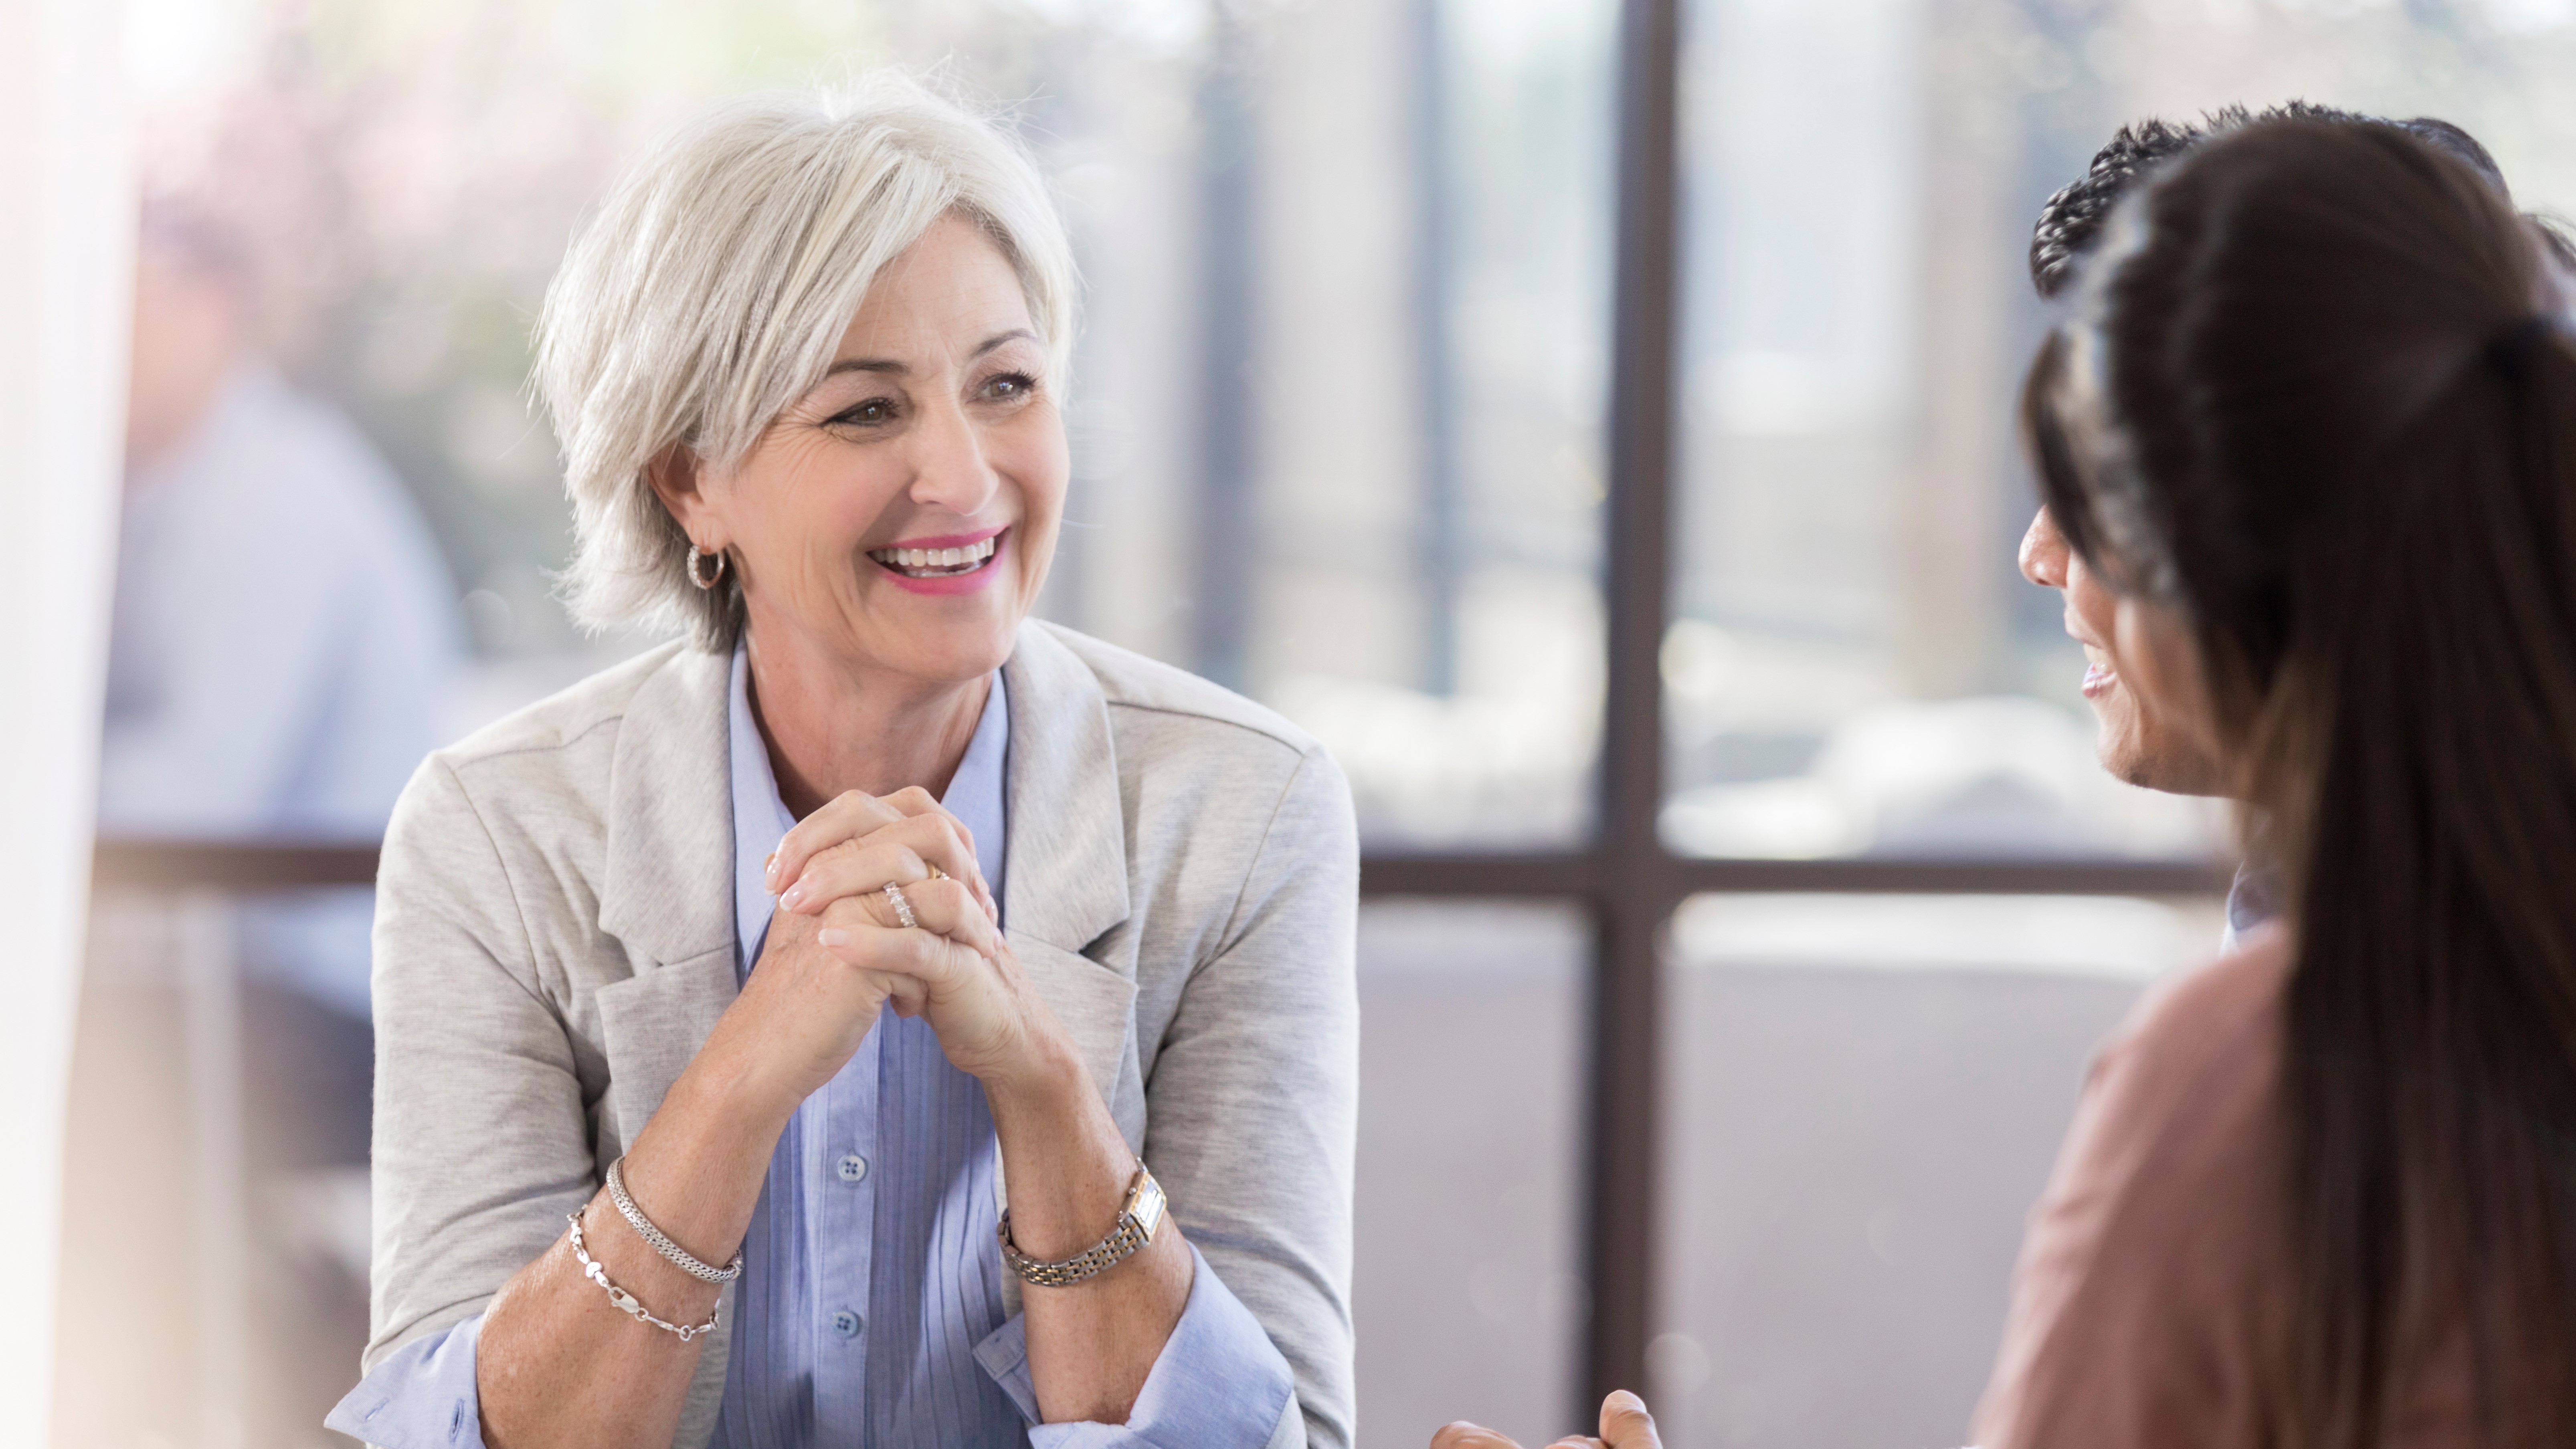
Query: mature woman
{"type": "Point", "coordinates": [877, 1018]}
{"type": "Point", "coordinates": [2313, 422]}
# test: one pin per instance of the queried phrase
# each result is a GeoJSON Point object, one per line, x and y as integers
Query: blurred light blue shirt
{"type": "Point", "coordinates": [870, 1307]}
{"type": "Point", "coordinates": [284, 641]}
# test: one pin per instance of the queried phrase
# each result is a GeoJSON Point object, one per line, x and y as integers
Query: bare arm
{"type": "Point", "coordinates": [1090, 1345]}
{"type": "Point", "coordinates": [557, 1365]}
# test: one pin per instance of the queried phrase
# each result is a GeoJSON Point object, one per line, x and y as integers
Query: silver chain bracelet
{"type": "Point", "coordinates": [679, 1257]}
{"type": "Point", "coordinates": [627, 1303]}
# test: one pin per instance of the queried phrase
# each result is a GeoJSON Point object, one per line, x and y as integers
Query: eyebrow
{"type": "Point", "coordinates": [892, 368]}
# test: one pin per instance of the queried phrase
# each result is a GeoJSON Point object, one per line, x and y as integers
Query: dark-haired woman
{"type": "Point", "coordinates": [2314, 417]}
{"type": "Point", "coordinates": [2314, 420]}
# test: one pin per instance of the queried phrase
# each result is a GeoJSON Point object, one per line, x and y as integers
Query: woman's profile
{"type": "Point", "coordinates": [2313, 420]}
{"type": "Point", "coordinates": [875, 1016]}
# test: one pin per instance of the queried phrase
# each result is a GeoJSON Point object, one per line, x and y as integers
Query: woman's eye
{"type": "Point", "coordinates": [874, 410]}
{"type": "Point", "coordinates": [1010, 387]}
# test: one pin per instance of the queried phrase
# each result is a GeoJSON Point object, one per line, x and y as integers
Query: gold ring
{"type": "Point", "coordinates": [937, 874]}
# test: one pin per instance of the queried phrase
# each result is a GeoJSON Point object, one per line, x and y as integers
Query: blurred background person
{"type": "Point", "coordinates": [285, 633]}
{"type": "Point", "coordinates": [281, 656]}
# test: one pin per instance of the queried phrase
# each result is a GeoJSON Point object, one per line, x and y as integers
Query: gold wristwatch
{"type": "Point", "coordinates": [1137, 1220]}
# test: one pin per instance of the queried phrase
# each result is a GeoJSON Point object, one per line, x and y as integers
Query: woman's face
{"type": "Point", "coordinates": [902, 514]}
{"type": "Point", "coordinates": [2141, 675]}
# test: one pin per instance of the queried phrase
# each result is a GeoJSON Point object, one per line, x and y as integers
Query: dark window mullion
{"type": "Point", "coordinates": [1637, 887]}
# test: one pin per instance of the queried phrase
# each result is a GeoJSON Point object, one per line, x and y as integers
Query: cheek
{"type": "Point", "coordinates": [1034, 456]}
{"type": "Point", "coordinates": [807, 501]}
{"type": "Point", "coordinates": [2097, 607]}
{"type": "Point", "coordinates": [2156, 662]}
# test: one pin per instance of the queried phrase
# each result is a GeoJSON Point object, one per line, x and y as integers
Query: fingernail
{"type": "Point", "coordinates": [832, 937]}
{"type": "Point", "coordinates": [769, 872]}
{"type": "Point", "coordinates": [793, 899]}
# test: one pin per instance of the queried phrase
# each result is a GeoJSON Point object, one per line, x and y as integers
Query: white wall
{"type": "Point", "coordinates": [66, 225]}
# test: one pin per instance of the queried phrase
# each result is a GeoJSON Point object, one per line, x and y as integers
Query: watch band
{"type": "Point", "coordinates": [1133, 1230]}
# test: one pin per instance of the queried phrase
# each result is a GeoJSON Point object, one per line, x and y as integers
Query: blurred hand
{"type": "Point", "coordinates": [1625, 1424]}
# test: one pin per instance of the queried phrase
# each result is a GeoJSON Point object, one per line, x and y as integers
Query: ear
{"type": "Point", "coordinates": [674, 475]}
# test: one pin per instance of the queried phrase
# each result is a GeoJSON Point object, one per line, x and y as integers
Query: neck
{"type": "Point", "coordinates": [831, 729]}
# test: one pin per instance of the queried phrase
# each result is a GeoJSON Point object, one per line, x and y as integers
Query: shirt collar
{"type": "Point", "coordinates": [760, 818]}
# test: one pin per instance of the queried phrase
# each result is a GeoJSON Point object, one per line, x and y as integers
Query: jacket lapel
{"type": "Point", "coordinates": [1066, 881]}
{"type": "Point", "coordinates": [667, 894]}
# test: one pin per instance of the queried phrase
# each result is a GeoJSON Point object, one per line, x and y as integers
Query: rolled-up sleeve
{"type": "Point", "coordinates": [420, 1397]}
{"type": "Point", "coordinates": [1219, 1382]}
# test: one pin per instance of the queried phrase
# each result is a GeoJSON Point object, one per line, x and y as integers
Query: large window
{"type": "Point", "coordinates": [1591, 418]}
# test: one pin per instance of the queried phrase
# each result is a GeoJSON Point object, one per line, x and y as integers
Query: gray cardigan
{"type": "Point", "coordinates": [555, 938]}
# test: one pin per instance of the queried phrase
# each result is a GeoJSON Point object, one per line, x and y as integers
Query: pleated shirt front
{"type": "Point", "coordinates": [869, 1275]}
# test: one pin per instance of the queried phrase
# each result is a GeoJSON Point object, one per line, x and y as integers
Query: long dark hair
{"type": "Point", "coordinates": [2319, 396]}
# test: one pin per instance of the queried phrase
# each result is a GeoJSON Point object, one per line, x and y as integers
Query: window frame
{"type": "Point", "coordinates": [1625, 879]}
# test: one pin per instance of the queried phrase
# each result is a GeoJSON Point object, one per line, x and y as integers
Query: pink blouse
{"type": "Point", "coordinates": [2153, 1298]}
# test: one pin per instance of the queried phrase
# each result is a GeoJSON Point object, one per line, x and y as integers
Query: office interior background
{"type": "Point", "coordinates": [1347, 430]}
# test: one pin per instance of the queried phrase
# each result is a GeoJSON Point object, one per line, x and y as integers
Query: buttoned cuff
{"type": "Point", "coordinates": [420, 1398]}
{"type": "Point", "coordinates": [1218, 1382]}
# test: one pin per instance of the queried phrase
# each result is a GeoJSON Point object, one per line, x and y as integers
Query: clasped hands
{"type": "Point", "coordinates": [838, 949]}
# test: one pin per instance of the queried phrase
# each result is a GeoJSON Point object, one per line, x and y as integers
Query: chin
{"type": "Point", "coordinates": [2130, 767]}
{"type": "Point", "coordinates": [976, 645]}
{"type": "Point", "coordinates": [959, 656]}
{"type": "Point", "coordinates": [2123, 754]}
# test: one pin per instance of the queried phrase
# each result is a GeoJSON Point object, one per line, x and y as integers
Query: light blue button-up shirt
{"type": "Point", "coordinates": [862, 1297]}
{"type": "Point", "coordinates": [870, 1309]}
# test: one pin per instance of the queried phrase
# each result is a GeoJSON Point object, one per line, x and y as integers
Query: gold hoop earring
{"type": "Point", "coordinates": [709, 581]}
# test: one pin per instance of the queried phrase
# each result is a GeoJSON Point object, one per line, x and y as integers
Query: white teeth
{"type": "Point", "coordinates": [938, 560]}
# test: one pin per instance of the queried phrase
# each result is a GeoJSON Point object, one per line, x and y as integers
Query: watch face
{"type": "Point", "coordinates": [1148, 1209]}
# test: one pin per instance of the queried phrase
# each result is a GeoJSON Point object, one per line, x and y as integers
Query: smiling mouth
{"type": "Point", "coordinates": [938, 563]}
{"type": "Point", "coordinates": [2099, 677]}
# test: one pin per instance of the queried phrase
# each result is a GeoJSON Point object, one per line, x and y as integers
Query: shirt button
{"type": "Point", "coordinates": [847, 1324]}
{"type": "Point", "coordinates": [853, 1167]}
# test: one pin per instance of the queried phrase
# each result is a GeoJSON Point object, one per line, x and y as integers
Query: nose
{"type": "Point", "coordinates": [2043, 553]}
{"type": "Point", "coordinates": [949, 469]}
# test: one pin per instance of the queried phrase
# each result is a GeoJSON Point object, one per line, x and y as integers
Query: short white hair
{"type": "Point", "coordinates": [712, 286]}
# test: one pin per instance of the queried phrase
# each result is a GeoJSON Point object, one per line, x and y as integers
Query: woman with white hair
{"type": "Point", "coordinates": [771, 958]}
